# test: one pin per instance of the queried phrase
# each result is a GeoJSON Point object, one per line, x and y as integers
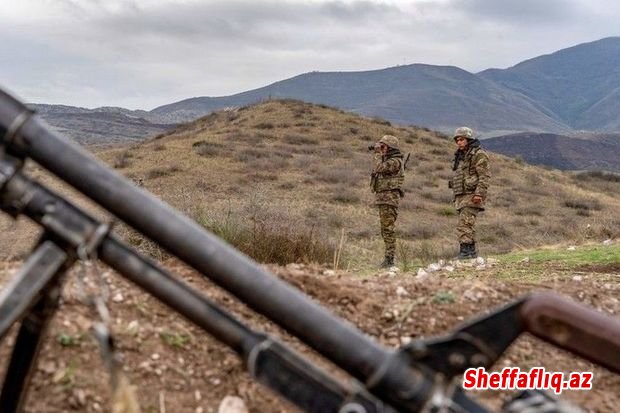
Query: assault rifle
{"type": "Point", "coordinates": [418, 377]}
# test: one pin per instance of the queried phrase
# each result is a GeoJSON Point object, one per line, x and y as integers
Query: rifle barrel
{"type": "Point", "coordinates": [381, 369]}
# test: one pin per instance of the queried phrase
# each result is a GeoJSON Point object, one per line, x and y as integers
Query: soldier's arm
{"type": "Point", "coordinates": [389, 167]}
{"type": "Point", "coordinates": [482, 169]}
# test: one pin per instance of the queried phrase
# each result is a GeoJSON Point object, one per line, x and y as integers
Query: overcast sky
{"type": "Point", "coordinates": [140, 54]}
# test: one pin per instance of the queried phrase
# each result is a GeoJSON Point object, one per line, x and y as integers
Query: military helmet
{"type": "Point", "coordinates": [389, 140]}
{"type": "Point", "coordinates": [464, 132]}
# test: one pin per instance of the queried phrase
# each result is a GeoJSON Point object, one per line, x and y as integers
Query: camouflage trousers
{"type": "Point", "coordinates": [466, 227]}
{"type": "Point", "coordinates": [387, 218]}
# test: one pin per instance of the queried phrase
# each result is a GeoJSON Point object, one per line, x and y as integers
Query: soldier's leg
{"type": "Point", "coordinates": [466, 227]}
{"type": "Point", "coordinates": [387, 216]}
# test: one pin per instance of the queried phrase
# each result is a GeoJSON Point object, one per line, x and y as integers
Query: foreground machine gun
{"type": "Point", "coordinates": [418, 377]}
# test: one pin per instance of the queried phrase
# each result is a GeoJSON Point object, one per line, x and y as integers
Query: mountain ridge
{"type": "Point", "coordinates": [561, 93]}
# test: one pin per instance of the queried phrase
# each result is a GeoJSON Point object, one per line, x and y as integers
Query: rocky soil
{"type": "Point", "coordinates": [175, 367]}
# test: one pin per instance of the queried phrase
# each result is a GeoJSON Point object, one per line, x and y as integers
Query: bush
{"type": "Point", "coordinates": [339, 175]}
{"type": "Point", "coordinates": [598, 175]}
{"type": "Point", "coordinates": [381, 121]}
{"type": "Point", "coordinates": [251, 154]}
{"type": "Point", "coordinates": [264, 125]}
{"type": "Point", "coordinates": [422, 229]}
{"type": "Point", "coordinates": [122, 160]}
{"type": "Point", "coordinates": [161, 171]}
{"type": "Point", "coordinates": [447, 211]}
{"type": "Point", "coordinates": [269, 238]}
{"type": "Point", "coordinates": [300, 140]}
{"type": "Point", "coordinates": [427, 251]}
{"type": "Point", "coordinates": [346, 196]}
{"type": "Point", "coordinates": [584, 204]}
{"type": "Point", "coordinates": [204, 148]}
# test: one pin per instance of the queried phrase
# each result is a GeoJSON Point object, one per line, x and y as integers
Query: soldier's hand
{"type": "Point", "coordinates": [476, 199]}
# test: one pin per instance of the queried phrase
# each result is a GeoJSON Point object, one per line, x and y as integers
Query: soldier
{"type": "Point", "coordinates": [386, 182]}
{"type": "Point", "coordinates": [469, 185]}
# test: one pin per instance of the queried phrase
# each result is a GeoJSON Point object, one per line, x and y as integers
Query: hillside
{"type": "Point", "coordinates": [286, 169]}
{"type": "Point", "coordinates": [101, 126]}
{"type": "Point", "coordinates": [437, 97]}
{"type": "Point", "coordinates": [287, 181]}
{"type": "Point", "coordinates": [581, 152]}
{"type": "Point", "coordinates": [580, 85]}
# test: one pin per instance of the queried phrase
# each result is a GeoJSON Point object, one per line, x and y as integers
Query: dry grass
{"type": "Point", "coordinates": [309, 165]}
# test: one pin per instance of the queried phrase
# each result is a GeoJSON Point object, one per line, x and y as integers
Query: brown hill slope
{"type": "Point", "coordinates": [286, 180]}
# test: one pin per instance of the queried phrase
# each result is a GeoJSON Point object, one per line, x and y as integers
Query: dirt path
{"type": "Point", "coordinates": [172, 362]}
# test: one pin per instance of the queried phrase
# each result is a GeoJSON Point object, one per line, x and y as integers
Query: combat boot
{"type": "Point", "coordinates": [463, 252]}
{"type": "Point", "coordinates": [472, 250]}
{"type": "Point", "coordinates": [387, 262]}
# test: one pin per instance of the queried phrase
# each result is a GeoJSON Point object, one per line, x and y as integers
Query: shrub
{"type": "Point", "coordinates": [264, 125]}
{"type": "Point", "coordinates": [584, 204]}
{"type": "Point", "coordinates": [161, 171]}
{"type": "Point", "coordinates": [447, 211]}
{"type": "Point", "coordinates": [269, 238]}
{"type": "Point", "coordinates": [427, 251]}
{"type": "Point", "coordinates": [122, 160]}
{"type": "Point", "coordinates": [251, 154]}
{"type": "Point", "coordinates": [178, 340]}
{"type": "Point", "coordinates": [264, 164]}
{"type": "Point", "coordinates": [381, 121]}
{"type": "Point", "coordinates": [598, 175]}
{"type": "Point", "coordinates": [294, 139]}
{"type": "Point", "coordinates": [287, 186]}
{"type": "Point", "coordinates": [444, 297]}
{"type": "Point", "coordinates": [421, 229]}
{"type": "Point", "coordinates": [346, 196]}
{"type": "Point", "coordinates": [339, 175]}
{"type": "Point", "coordinates": [405, 256]}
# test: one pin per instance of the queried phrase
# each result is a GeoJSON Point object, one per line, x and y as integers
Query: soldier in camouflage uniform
{"type": "Point", "coordinates": [469, 185]}
{"type": "Point", "coordinates": [387, 180]}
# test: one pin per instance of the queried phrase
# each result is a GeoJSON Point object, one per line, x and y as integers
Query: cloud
{"type": "Point", "coordinates": [145, 53]}
{"type": "Point", "coordinates": [522, 12]}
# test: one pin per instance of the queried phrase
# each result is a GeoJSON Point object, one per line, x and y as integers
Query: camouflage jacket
{"type": "Point", "coordinates": [471, 175]}
{"type": "Point", "coordinates": [387, 178]}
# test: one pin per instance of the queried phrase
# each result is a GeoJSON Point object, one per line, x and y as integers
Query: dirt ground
{"type": "Point", "coordinates": [176, 367]}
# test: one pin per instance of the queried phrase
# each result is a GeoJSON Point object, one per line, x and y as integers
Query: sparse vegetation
{"type": "Point", "coordinates": [122, 160]}
{"type": "Point", "coordinates": [583, 204]}
{"type": "Point", "coordinates": [268, 236]}
{"type": "Point", "coordinates": [287, 151]}
{"type": "Point", "coordinates": [204, 148]}
{"type": "Point", "coordinates": [159, 172]}
{"type": "Point", "coordinates": [444, 297]}
{"type": "Point", "coordinates": [173, 339]}
{"type": "Point", "coordinates": [69, 340]}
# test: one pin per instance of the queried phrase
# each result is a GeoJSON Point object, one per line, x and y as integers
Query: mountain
{"type": "Point", "coordinates": [578, 86]}
{"type": "Point", "coordinates": [586, 152]}
{"type": "Point", "coordinates": [437, 97]}
{"type": "Point", "coordinates": [573, 89]}
{"type": "Point", "coordinates": [102, 126]}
